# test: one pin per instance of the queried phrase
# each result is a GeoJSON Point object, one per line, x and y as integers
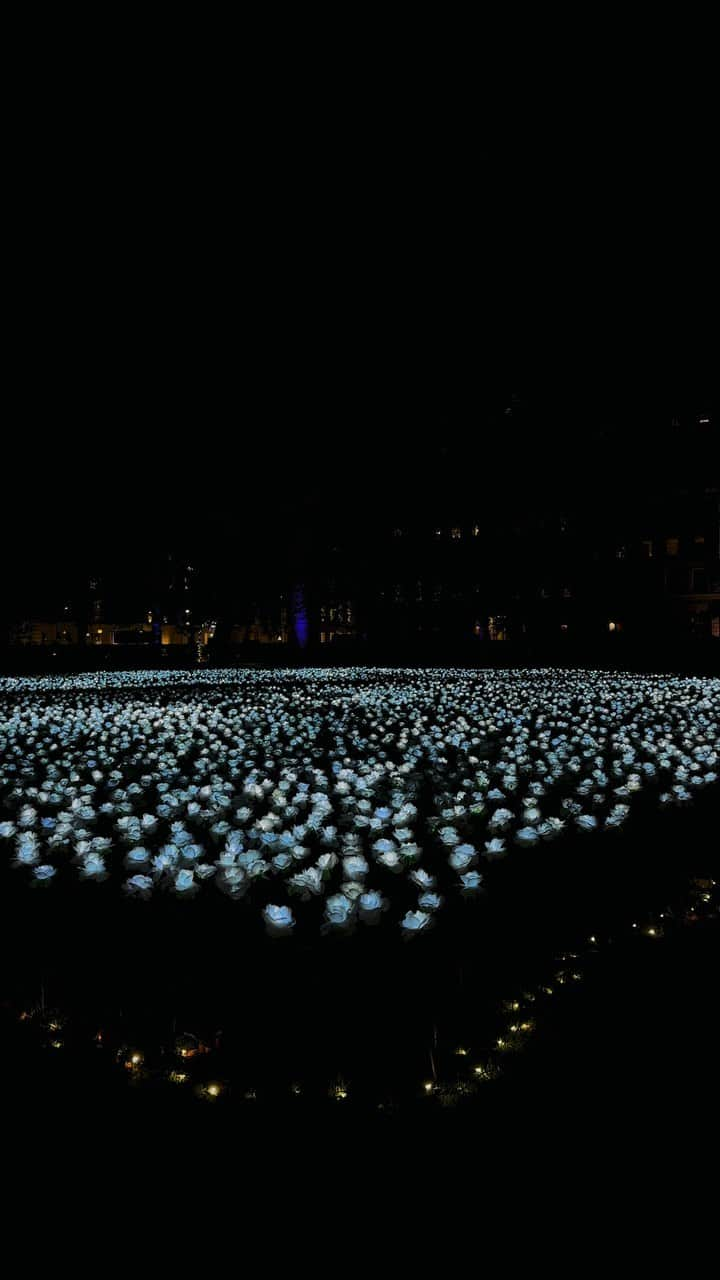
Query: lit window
{"type": "Point", "coordinates": [647, 548]}
{"type": "Point", "coordinates": [672, 546]}
{"type": "Point", "coordinates": [699, 539]}
{"type": "Point", "coordinates": [476, 531]}
{"type": "Point", "coordinates": [715, 628]}
{"type": "Point", "coordinates": [455, 534]}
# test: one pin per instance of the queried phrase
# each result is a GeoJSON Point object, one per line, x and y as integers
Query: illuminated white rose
{"type": "Point", "coordinates": [278, 920]}
{"type": "Point", "coordinates": [44, 872]}
{"type": "Point", "coordinates": [371, 905]}
{"type": "Point", "coordinates": [415, 922]}
{"type": "Point", "coordinates": [462, 857]}
{"type": "Point", "coordinates": [471, 882]}
{"type": "Point", "coordinates": [338, 910]}
{"type": "Point", "coordinates": [495, 848]}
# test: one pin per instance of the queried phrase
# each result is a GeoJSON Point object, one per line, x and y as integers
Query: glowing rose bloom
{"type": "Point", "coordinates": [495, 848]}
{"type": "Point", "coordinates": [586, 822]}
{"type": "Point", "coordinates": [326, 863]}
{"type": "Point", "coordinates": [449, 836]}
{"type": "Point", "coordinates": [26, 849]}
{"type": "Point", "coordinates": [430, 901]}
{"type": "Point", "coordinates": [180, 836]}
{"type": "Point", "coordinates": [526, 836]}
{"type": "Point", "coordinates": [278, 920]}
{"type": "Point", "coordinates": [7, 830]}
{"type": "Point", "coordinates": [227, 858]}
{"type": "Point", "coordinates": [471, 882]}
{"type": "Point", "coordinates": [352, 889]}
{"type": "Point", "coordinates": [414, 922]}
{"type": "Point", "coordinates": [338, 910]}
{"type": "Point", "coordinates": [164, 861]}
{"type": "Point", "coordinates": [410, 853]}
{"type": "Point", "coordinates": [191, 852]}
{"type": "Point", "coordinates": [405, 814]}
{"type": "Point", "coordinates": [307, 883]}
{"type": "Point", "coordinates": [462, 857]}
{"type": "Point", "coordinates": [137, 856]}
{"type": "Point", "coordinates": [93, 868]}
{"type": "Point", "coordinates": [204, 870]}
{"type": "Point", "coordinates": [422, 879]}
{"type": "Point", "coordinates": [281, 862]}
{"type": "Point", "coordinates": [384, 846]}
{"type": "Point", "coordinates": [371, 904]}
{"type": "Point", "coordinates": [551, 828]}
{"type": "Point", "coordinates": [403, 834]}
{"type": "Point", "coordinates": [257, 869]}
{"type": "Point", "coordinates": [391, 861]}
{"type": "Point", "coordinates": [184, 881]}
{"type": "Point", "coordinates": [44, 872]}
{"type": "Point", "coordinates": [355, 867]}
{"type": "Point", "coordinates": [139, 886]}
{"type": "Point", "coordinates": [500, 819]}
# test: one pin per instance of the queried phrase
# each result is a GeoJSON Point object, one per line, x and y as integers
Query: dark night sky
{"type": "Point", "coordinates": [220, 342]}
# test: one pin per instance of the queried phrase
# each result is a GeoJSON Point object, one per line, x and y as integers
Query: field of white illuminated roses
{"type": "Point", "coordinates": [364, 791]}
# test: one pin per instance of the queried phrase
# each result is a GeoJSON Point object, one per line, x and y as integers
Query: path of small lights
{"type": "Point", "coordinates": [521, 1015]}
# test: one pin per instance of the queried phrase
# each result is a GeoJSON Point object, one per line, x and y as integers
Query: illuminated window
{"type": "Point", "coordinates": [620, 553]}
{"type": "Point", "coordinates": [614, 626]}
{"type": "Point", "coordinates": [715, 628]}
{"type": "Point", "coordinates": [438, 533]}
{"type": "Point", "coordinates": [455, 534]}
{"type": "Point", "coordinates": [476, 531]}
{"type": "Point", "coordinates": [672, 546]}
{"type": "Point", "coordinates": [699, 539]}
{"type": "Point", "coordinates": [647, 548]}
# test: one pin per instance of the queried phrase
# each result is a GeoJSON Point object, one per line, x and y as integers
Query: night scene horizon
{"type": "Point", "coordinates": [360, 703]}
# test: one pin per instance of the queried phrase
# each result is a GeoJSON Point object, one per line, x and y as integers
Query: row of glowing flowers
{"type": "Point", "coordinates": [599, 740]}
